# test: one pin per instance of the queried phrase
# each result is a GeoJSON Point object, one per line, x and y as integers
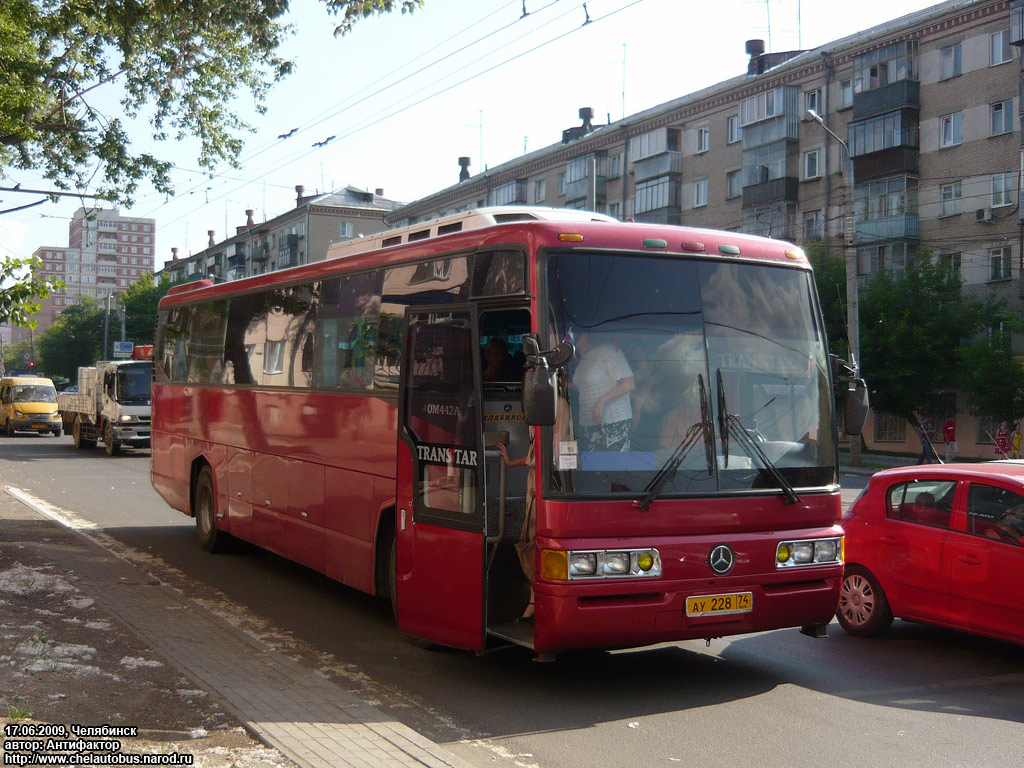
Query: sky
{"type": "Point", "coordinates": [405, 95]}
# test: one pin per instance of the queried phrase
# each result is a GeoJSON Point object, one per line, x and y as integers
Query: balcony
{"type": "Point", "coordinates": [668, 215]}
{"type": "Point", "coordinates": [260, 252]}
{"type": "Point", "coordinates": [659, 165]}
{"type": "Point", "coordinates": [899, 95]}
{"type": "Point", "coordinates": [775, 190]}
{"type": "Point", "coordinates": [580, 190]}
{"type": "Point", "coordinates": [894, 160]}
{"type": "Point", "coordinates": [903, 227]}
{"type": "Point", "coordinates": [237, 260]}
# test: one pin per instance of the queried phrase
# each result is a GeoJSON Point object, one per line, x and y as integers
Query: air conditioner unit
{"type": "Point", "coordinates": [983, 215]}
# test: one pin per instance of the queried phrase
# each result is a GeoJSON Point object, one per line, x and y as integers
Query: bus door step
{"type": "Point", "coordinates": [518, 632]}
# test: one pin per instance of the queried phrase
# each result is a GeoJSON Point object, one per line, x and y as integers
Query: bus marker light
{"type": "Point", "coordinates": [729, 250]}
{"type": "Point", "coordinates": [794, 253]}
{"type": "Point", "coordinates": [554, 564]}
{"type": "Point", "coordinates": [693, 246]}
{"type": "Point", "coordinates": [653, 242]}
{"type": "Point", "coordinates": [569, 237]}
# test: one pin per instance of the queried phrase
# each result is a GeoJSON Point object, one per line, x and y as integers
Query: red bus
{"type": "Point", "coordinates": [346, 414]}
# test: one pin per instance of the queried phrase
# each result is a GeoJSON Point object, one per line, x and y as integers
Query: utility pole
{"type": "Point", "coordinates": [123, 310]}
{"type": "Point", "coordinates": [106, 330]}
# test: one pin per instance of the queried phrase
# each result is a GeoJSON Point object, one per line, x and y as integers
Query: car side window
{"type": "Point", "coordinates": [995, 513]}
{"type": "Point", "coordinates": [925, 502]}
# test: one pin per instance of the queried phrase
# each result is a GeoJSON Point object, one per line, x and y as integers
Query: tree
{"type": "Point", "coordinates": [19, 289]}
{"type": "Point", "coordinates": [994, 376]}
{"type": "Point", "coordinates": [830, 277]}
{"type": "Point", "coordinates": [911, 328]}
{"type": "Point", "coordinates": [182, 63]}
{"type": "Point", "coordinates": [140, 305]}
{"type": "Point", "coordinates": [74, 340]}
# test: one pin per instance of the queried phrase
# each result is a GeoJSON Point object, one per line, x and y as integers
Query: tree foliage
{"type": "Point", "coordinates": [994, 376]}
{"type": "Point", "coordinates": [911, 328]}
{"type": "Point", "coordinates": [179, 63]}
{"type": "Point", "coordinates": [830, 277]}
{"type": "Point", "coordinates": [19, 289]}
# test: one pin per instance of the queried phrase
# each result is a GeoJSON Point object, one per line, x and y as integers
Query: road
{"type": "Point", "coordinates": [920, 697]}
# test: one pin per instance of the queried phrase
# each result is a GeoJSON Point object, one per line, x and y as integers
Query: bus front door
{"type": "Point", "coordinates": [440, 528]}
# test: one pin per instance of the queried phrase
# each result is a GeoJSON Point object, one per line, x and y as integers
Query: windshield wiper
{"type": "Point", "coordinates": [730, 424]}
{"type": "Point", "coordinates": [670, 467]}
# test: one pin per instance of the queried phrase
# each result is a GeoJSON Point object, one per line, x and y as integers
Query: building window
{"type": "Point", "coordinates": [812, 100]}
{"type": "Point", "coordinates": [700, 193]}
{"type": "Point", "coordinates": [952, 129]}
{"type": "Point", "coordinates": [999, 47]}
{"type": "Point", "coordinates": [814, 226]}
{"type": "Point", "coordinates": [1002, 117]}
{"type": "Point", "coordinates": [734, 184]}
{"type": "Point", "coordinates": [952, 61]}
{"type": "Point", "coordinates": [345, 229]}
{"type": "Point", "coordinates": [703, 139]}
{"type": "Point", "coordinates": [1002, 189]}
{"type": "Point", "coordinates": [845, 94]}
{"type": "Point", "coordinates": [615, 166]}
{"type": "Point", "coordinates": [735, 132]}
{"type": "Point", "coordinates": [655, 194]}
{"type": "Point", "coordinates": [539, 191]}
{"type": "Point", "coordinates": [812, 164]}
{"type": "Point", "coordinates": [876, 259]}
{"type": "Point", "coordinates": [613, 210]}
{"type": "Point", "coordinates": [999, 263]}
{"type": "Point", "coordinates": [951, 195]}
{"type": "Point", "coordinates": [951, 265]}
{"type": "Point", "coordinates": [890, 428]}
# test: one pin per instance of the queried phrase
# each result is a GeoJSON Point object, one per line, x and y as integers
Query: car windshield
{"type": "Point", "coordinates": [134, 383]}
{"type": "Point", "coordinates": [692, 376]}
{"type": "Point", "coordinates": [34, 393]}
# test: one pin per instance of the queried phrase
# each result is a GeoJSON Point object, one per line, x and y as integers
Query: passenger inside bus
{"type": "Point", "coordinates": [497, 361]}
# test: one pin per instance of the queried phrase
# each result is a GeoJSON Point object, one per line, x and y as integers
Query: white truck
{"type": "Point", "coordinates": [112, 404]}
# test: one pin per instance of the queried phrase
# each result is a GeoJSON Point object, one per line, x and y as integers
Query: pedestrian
{"type": "Point", "coordinates": [949, 435]}
{"type": "Point", "coordinates": [925, 430]}
{"type": "Point", "coordinates": [1015, 442]}
{"type": "Point", "coordinates": [1003, 440]}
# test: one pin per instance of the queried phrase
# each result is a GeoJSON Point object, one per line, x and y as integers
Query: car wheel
{"type": "Point", "coordinates": [112, 444]}
{"type": "Point", "coordinates": [204, 507]}
{"type": "Point", "coordinates": [8, 429]}
{"type": "Point", "coordinates": [863, 608]}
{"type": "Point", "coordinates": [57, 433]}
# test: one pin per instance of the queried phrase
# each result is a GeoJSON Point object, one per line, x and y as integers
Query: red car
{"type": "Point", "coordinates": [942, 544]}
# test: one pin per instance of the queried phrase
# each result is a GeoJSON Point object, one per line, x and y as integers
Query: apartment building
{"type": "Point", "coordinates": [899, 139]}
{"type": "Point", "coordinates": [106, 252]}
{"type": "Point", "coordinates": [298, 236]}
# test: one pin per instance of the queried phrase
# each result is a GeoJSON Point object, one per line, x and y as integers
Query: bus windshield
{"type": "Point", "coordinates": [134, 383]}
{"type": "Point", "coordinates": [692, 376]}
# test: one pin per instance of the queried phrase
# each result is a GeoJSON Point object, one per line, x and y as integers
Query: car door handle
{"type": "Point", "coordinates": [970, 559]}
{"type": "Point", "coordinates": [888, 539]}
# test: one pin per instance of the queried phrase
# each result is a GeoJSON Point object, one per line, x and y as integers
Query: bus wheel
{"type": "Point", "coordinates": [111, 443]}
{"type": "Point", "coordinates": [76, 433]}
{"type": "Point", "coordinates": [863, 608]}
{"type": "Point", "coordinates": [204, 506]}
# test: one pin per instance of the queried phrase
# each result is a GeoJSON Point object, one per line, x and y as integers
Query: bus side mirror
{"type": "Point", "coordinates": [855, 407]}
{"type": "Point", "coordinates": [540, 381]}
{"type": "Point", "coordinates": [540, 395]}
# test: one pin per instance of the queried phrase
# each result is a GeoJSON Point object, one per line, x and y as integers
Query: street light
{"type": "Point", "coordinates": [850, 255]}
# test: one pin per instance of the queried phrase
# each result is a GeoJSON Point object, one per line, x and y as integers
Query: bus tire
{"type": "Point", "coordinates": [110, 442]}
{"type": "Point", "coordinates": [863, 607]}
{"type": "Point", "coordinates": [76, 433]}
{"type": "Point", "coordinates": [204, 506]}
{"type": "Point", "coordinates": [392, 575]}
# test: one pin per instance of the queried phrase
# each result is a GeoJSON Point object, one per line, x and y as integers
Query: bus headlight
{"type": "Point", "coordinates": [791, 554]}
{"type": "Point", "coordinates": [127, 418]}
{"type": "Point", "coordinates": [584, 565]}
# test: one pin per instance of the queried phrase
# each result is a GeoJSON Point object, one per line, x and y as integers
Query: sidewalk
{"type": "Point", "coordinates": [304, 716]}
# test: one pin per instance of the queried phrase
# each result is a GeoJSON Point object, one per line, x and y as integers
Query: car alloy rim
{"type": "Point", "coordinates": [856, 600]}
